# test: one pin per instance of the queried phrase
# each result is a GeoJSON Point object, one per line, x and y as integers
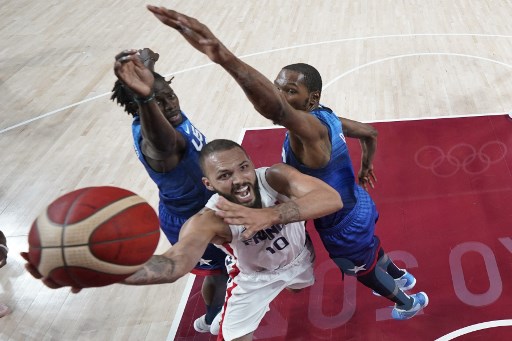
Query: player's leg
{"type": "Point", "coordinates": [3, 249]}
{"type": "Point", "coordinates": [214, 292]}
{"type": "Point", "coordinates": [4, 310]}
{"type": "Point", "coordinates": [246, 337]}
{"type": "Point", "coordinates": [378, 279]}
{"type": "Point", "coordinates": [404, 280]}
{"type": "Point", "coordinates": [212, 266]}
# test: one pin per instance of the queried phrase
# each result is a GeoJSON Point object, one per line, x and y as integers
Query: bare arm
{"type": "Point", "coordinates": [266, 99]}
{"type": "Point", "coordinates": [367, 136]}
{"type": "Point", "coordinates": [161, 144]}
{"type": "Point", "coordinates": [311, 198]}
{"type": "Point", "coordinates": [182, 257]}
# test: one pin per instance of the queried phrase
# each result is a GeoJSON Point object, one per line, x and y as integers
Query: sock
{"type": "Point", "coordinates": [211, 312]}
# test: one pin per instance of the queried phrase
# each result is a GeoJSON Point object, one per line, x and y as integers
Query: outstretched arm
{"type": "Point", "coordinates": [265, 97]}
{"type": "Point", "coordinates": [161, 143]}
{"type": "Point", "coordinates": [311, 198]}
{"type": "Point", "coordinates": [181, 258]}
{"type": "Point", "coordinates": [195, 235]}
{"type": "Point", "coordinates": [367, 136]}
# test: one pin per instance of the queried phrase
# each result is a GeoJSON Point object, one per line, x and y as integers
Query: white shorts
{"type": "Point", "coordinates": [248, 296]}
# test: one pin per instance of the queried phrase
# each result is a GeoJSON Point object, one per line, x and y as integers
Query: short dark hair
{"type": "Point", "coordinates": [124, 96]}
{"type": "Point", "coordinates": [312, 78]}
{"type": "Point", "coordinates": [215, 146]}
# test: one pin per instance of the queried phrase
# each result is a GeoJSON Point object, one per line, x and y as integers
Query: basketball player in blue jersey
{"type": "Point", "coordinates": [168, 146]}
{"type": "Point", "coordinates": [315, 144]}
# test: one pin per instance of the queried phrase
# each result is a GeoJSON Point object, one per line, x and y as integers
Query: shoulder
{"type": "Point", "coordinates": [278, 177]}
{"type": "Point", "coordinates": [206, 221]}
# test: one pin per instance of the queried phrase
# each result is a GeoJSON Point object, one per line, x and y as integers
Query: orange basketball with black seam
{"type": "Point", "coordinates": [93, 236]}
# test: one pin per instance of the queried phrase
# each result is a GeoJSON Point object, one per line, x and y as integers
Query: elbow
{"type": "Point", "coordinates": [339, 201]}
{"type": "Point", "coordinates": [373, 133]}
{"type": "Point", "coordinates": [336, 202]}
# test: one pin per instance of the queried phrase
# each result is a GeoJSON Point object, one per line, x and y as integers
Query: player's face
{"type": "Point", "coordinates": [231, 174]}
{"type": "Point", "coordinates": [168, 102]}
{"type": "Point", "coordinates": [291, 85]}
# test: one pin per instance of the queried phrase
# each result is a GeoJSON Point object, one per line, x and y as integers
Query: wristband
{"type": "Point", "coordinates": [144, 100]}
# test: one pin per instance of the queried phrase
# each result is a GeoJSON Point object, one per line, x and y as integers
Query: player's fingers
{"type": "Point", "coordinates": [371, 183]}
{"type": "Point", "coordinates": [125, 53]}
{"type": "Point", "coordinates": [24, 255]}
{"type": "Point", "coordinates": [75, 290]}
{"type": "Point", "coordinates": [51, 284]}
{"type": "Point", "coordinates": [33, 271]}
{"type": "Point", "coordinates": [225, 205]}
{"type": "Point", "coordinates": [372, 174]}
{"type": "Point", "coordinates": [234, 221]}
{"type": "Point", "coordinates": [248, 233]}
{"type": "Point", "coordinates": [166, 16]}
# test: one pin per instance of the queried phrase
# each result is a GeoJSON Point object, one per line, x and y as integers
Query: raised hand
{"type": "Point", "coordinates": [130, 70]}
{"type": "Point", "coordinates": [149, 58]}
{"type": "Point", "coordinates": [196, 33]}
{"type": "Point", "coordinates": [367, 177]}
{"type": "Point", "coordinates": [253, 219]}
{"type": "Point", "coordinates": [46, 281]}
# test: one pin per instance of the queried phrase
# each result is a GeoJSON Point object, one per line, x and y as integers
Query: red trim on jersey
{"type": "Point", "coordinates": [230, 289]}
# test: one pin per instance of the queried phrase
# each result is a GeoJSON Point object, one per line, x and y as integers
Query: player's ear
{"type": "Point", "coordinates": [207, 184]}
{"type": "Point", "coordinates": [314, 98]}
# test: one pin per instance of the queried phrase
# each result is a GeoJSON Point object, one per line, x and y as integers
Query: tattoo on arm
{"type": "Point", "coordinates": [159, 269]}
{"type": "Point", "coordinates": [288, 212]}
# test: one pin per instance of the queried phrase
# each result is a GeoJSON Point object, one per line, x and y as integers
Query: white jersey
{"type": "Point", "coordinates": [271, 248]}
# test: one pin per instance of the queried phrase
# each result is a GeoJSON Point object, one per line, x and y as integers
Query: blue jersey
{"type": "Point", "coordinates": [181, 190]}
{"type": "Point", "coordinates": [338, 172]}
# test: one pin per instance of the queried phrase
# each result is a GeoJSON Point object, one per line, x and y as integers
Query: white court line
{"type": "Point", "coordinates": [290, 48]}
{"type": "Point", "coordinates": [181, 308]}
{"type": "Point", "coordinates": [475, 327]}
{"type": "Point", "coordinates": [414, 55]}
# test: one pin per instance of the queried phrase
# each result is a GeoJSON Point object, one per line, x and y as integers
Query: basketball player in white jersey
{"type": "Point", "coordinates": [279, 256]}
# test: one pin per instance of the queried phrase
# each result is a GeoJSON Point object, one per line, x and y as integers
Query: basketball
{"type": "Point", "coordinates": [93, 237]}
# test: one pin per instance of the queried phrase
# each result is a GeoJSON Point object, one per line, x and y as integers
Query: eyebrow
{"type": "Point", "coordinates": [224, 170]}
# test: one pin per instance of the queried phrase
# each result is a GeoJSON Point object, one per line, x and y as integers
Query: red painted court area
{"type": "Point", "coordinates": [444, 195]}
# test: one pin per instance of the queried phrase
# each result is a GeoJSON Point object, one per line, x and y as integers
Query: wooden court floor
{"type": "Point", "coordinates": [380, 61]}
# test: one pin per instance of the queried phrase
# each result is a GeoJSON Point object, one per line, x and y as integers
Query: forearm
{"type": "Point", "coordinates": [368, 148]}
{"type": "Point", "coordinates": [159, 269]}
{"type": "Point", "coordinates": [156, 130]}
{"type": "Point", "coordinates": [314, 205]}
{"type": "Point", "coordinates": [258, 89]}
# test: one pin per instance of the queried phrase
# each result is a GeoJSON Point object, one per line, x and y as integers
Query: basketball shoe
{"type": "Point", "coordinates": [201, 326]}
{"type": "Point", "coordinates": [404, 283]}
{"type": "Point", "coordinates": [215, 326]}
{"type": "Point", "coordinates": [420, 302]}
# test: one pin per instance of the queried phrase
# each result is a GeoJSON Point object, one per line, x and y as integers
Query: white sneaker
{"type": "Point", "coordinates": [201, 326]}
{"type": "Point", "coordinates": [215, 326]}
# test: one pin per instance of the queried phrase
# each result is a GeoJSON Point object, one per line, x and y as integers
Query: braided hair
{"type": "Point", "coordinates": [124, 96]}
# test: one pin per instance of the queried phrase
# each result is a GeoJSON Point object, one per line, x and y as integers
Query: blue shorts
{"type": "Point", "coordinates": [353, 239]}
{"type": "Point", "coordinates": [213, 259]}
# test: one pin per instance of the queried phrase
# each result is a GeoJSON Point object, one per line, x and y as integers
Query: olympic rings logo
{"type": "Point", "coordinates": [461, 156]}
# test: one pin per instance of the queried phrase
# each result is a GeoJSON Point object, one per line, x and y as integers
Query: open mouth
{"type": "Point", "coordinates": [243, 194]}
{"type": "Point", "coordinates": [174, 116]}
